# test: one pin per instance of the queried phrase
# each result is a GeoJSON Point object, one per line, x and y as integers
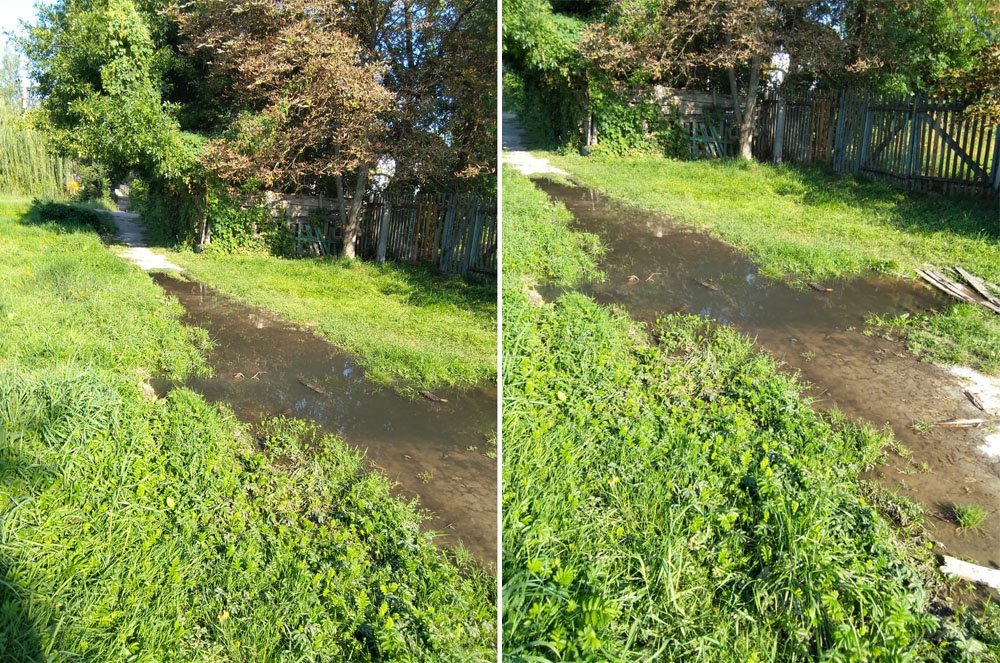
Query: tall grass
{"type": "Point", "coordinates": [27, 166]}
{"type": "Point", "coordinates": [164, 530]}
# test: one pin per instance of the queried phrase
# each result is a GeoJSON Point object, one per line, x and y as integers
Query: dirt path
{"type": "Point", "coordinates": [655, 265]}
{"type": "Point", "coordinates": [515, 151]}
{"type": "Point", "coordinates": [136, 250]}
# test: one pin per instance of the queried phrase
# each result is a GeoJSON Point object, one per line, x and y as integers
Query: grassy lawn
{"type": "Point", "coordinates": [669, 495]}
{"type": "Point", "coordinates": [164, 530]}
{"type": "Point", "coordinates": [405, 323]}
{"type": "Point", "coordinates": [801, 224]}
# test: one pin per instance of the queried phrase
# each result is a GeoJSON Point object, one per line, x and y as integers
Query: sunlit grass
{"type": "Point", "coordinates": [164, 530]}
{"type": "Point", "coordinates": [670, 495]}
{"type": "Point", "coordinates": [406, 324]}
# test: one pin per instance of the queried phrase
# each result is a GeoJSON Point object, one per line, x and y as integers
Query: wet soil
{"type": "Point", "coordinates": [655, 265]}
{"type": "Point", "coordinates": [434, 451]}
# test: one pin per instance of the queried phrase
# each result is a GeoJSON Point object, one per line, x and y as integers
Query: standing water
{"type": "Point", "coordinates": [437, 451]}
{"type": "Point", "coordinates": [656, 266]}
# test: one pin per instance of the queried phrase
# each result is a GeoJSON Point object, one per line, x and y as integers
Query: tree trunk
{"type": "Point", "coordinates": [354, 216]}
{"type": "Point", "coordinates": [745, 117]}
{"type": "Point", "coordinates": [338, 183]}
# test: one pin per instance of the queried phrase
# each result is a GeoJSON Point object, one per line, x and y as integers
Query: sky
{"type": "Point", "coordinates": [10, 12]}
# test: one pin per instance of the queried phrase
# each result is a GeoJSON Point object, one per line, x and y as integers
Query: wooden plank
{"type": "Point", "coordinates": [978, 285]}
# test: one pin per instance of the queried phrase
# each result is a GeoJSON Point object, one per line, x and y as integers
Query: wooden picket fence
{"type": "Point", "coordinates": [922, 144]}
{"type": "Point", "coordinates": [457, 234]}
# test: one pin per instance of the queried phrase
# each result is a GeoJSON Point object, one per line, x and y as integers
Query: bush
{"type": "Point", "coordinates": [70, 215]}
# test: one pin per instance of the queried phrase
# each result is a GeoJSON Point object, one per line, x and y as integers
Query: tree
{"type": "Point", "coordinates": [690, 41]}
{"type": "Point", "coordinates": [309, 102]}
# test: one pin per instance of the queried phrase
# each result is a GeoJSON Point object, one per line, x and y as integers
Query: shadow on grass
{"type": "Point", "coordinates": [913, 212]}
{"type": "Point", "coordinates": [69, 216]}
{"type": "Point", "coordinates": [423, 286]}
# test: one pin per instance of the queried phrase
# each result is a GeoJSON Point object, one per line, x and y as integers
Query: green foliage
{"type": "Point", "coordinates": [70, 215]}
{"type": "Point", "coordinates": [28, 167]}
{"type": "Point", "coordinates": [672, 496]}
{"type": "Point", "coordinates": [407, 324]}
{"type": "Point", "coordinates": [629, 127]}
{"type": "Point", "coordinates": [97, 66]}
{"type": "Point", "coordinates": [963, 334]}
{"type": "Point", "coordinates": [538, 244]}
{"type": "Point", "coordinates": [969, 516]}
{"type": "Point", "coordinates": [681, 501]}
{"type": "Point", "coordinates": [540, 51]}
{"type": "Point", "coordinates": [245, 228]}
{"type": "Point", "coordinates": [164, 530]}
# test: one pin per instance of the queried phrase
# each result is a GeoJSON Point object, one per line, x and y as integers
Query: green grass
{"type": "Point", "coordinates": [670, 495]}
{"type": "Point", "coordinates": [969, 516]}
{"type": "Point", "coordinates": [139, 530]}
{"type": "Point", "coordinates": [803, 224]}
{"type": "Point", "coordinates": [963, 334]}
{"type": "Point", "coordinates": [406, 324]}
{"type": "Point", "coordinates": [541, 243]}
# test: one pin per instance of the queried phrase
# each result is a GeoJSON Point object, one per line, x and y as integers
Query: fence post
{"type": "Point", "coordinates": [865, 136]}
{"type": "Point", "coordinates": [838, 136]}
{"type": "Point", "coordinates": [446, 234]}
{"type": "Point", "coordinates": [911, 155]}
{"type": "Point", "coordinates": [779, 129]}
{"type": "Point", "coordinates": [996, 160]}
{"type": "Point", "coordinates": [383, 230]}
{"type": "Point", "coordinates": [471, 226]}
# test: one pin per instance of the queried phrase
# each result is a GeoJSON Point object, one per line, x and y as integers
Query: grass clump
{"type": "Point", "coordinates": [540, 242]}
{"type": "Point", "coordinates": [405, 323]}
{"type": "Point", "coordinates": [969, 516]}
{"type": "Point", "coordinates": [164, 530]}
{"type": "Point", "coordinates": [964, 334]}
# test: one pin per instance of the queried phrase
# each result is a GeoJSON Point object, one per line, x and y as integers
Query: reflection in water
{"type": "Point", "coordinates": [263, 367]}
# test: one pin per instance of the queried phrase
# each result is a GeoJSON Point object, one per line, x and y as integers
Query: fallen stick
{"type": "Point", "coordinates": [431, 397]}
{"type": "Point", "coordinates": [710, 286]}
{"type": "Point", "coordinates": [961, 423]}
{"type": "Point", "coordinates": [310, 385]}
{"type": "Point", "coordinates": [972, 399]}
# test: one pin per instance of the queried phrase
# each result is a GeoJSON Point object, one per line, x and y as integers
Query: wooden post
{"type": "Point", "coordinates": [472, 228]}
{"type": "Point", "coordinates": [838, 139]}
{"type": "Point", "coordinates": [911, 157]}
{"type": "Point", "coordinates": [779, 129]}
{"type": "Point", "coordinates": [865, 136]}
{"type": "Point", "coordinates": [447, 242]}
{"type": "Point", "coordinates": [996, 160]}
{"type": "Point", "coordinates": [383, 230]}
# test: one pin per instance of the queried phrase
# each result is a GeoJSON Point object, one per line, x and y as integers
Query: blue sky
{"type": "Point", "coordinates": [10, 12]}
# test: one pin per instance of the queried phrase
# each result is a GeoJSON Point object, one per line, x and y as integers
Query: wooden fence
{"type": "Point", "coordinates": [921, 144]}
{"type": "Point", "coordinates": [458, 234]}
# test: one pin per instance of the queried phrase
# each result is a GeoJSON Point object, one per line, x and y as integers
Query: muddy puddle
{"type": "Point", "coordinates": [434, 451]}
{"type": "Point", "coordinates": [655, 265]}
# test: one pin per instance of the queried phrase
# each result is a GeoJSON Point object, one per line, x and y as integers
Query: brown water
{"type": "Point", "coordinates": [655, 265]}
{"type": "Point", "coordinates": [435, 451]}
